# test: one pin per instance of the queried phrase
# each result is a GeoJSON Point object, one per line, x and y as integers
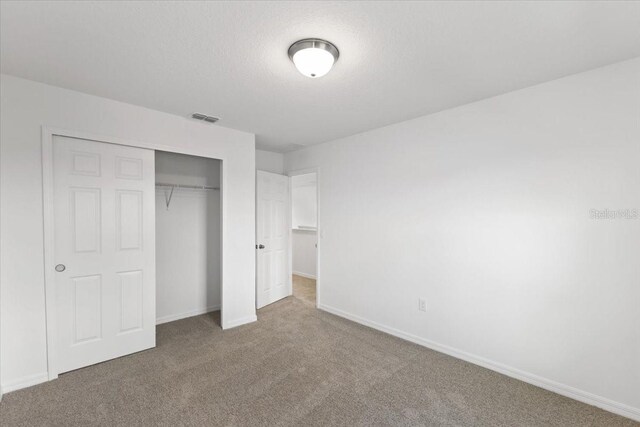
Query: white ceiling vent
{"type": "Point", "coordinates": [204, 117]}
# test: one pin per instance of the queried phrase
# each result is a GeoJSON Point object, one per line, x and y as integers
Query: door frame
{"type": "Point", "coordinates": [291, 174]}
{"type": "Point", "coordinates": [48, 134]}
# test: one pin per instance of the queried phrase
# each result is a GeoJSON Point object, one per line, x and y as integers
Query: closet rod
{"type": "Point", "coordinates": [195, 187]}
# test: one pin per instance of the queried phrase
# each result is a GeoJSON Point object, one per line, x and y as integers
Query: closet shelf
{"type": "Point", "coordinates": [166, 186]}
{"type": "Point", "coordinates": [192, 187]}
{"type": "Point", "coordinates": [305, 228]}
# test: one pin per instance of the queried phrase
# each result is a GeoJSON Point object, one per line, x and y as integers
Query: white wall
{"type": "Point", "coordinates": [269, 161]}
{"type": "Point", "coordinates": [304, 201]}
{"type": "Point", "coordinates": [303, 243]}
{"type": "Point", "coordinates": [25, 107]}
{"type": "Point", "coordinates": [187, 237]}
{"type": "Point", "coordinates": [484, 210]}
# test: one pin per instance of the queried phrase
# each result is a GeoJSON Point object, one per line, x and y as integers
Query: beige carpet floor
{"type": "Point", "coordinates": [304, 289]}
{"type": "Point", "coordinates": [296, 366]}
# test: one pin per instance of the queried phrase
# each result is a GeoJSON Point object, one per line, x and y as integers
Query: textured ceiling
{"type": "Point", "coordinates": [397, 60]}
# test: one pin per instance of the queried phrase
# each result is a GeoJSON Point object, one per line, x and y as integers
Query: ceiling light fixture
{"type": "Point", "coordinates": [313, 57]}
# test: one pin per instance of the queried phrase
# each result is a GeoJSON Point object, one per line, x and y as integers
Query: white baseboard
{"type": "Point", "coordinates": [24, 382]}
{"type": "Point", "coordinates": [197, 312]}
{"type": "Point", "coordinates": [239, 322]}
{"type": "Point", "coordinates": [547, 384]}
{"type": "Point", "coordinates": [308, 276]}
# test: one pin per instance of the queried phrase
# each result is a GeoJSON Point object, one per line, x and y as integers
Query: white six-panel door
{"type": "Point", "coordinates": [104, 219]}
{"type": "Point", "coordinates": [272, 234]}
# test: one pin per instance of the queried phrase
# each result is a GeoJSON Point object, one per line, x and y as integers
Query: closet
{"type": "Point", "coordinates": [188, 236]}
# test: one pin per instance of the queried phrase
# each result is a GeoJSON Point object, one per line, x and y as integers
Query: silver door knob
{"type": "Point", "coordinates": [60, 268]}
{"type": "Point", "coordinates": [260, 246]}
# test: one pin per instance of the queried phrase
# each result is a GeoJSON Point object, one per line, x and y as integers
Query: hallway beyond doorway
{"type": "Point", "coordinates": [304, 289]}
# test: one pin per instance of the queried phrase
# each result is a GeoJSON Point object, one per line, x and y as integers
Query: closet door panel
{"type": "Point", "coordinates": [104, 219]}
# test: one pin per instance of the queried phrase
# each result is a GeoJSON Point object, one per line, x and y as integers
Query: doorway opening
{"type": "Point", "coordinates": [188, 237]}
{"type": "Point", "coordinates": [304, 236]}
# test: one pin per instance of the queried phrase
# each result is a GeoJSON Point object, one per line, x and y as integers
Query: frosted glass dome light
{"type": "Point", "coordinates": [313, 57]}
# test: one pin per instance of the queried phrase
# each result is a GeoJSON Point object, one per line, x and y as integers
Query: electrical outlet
{"type": "Point", "coordinates": [422, 304]}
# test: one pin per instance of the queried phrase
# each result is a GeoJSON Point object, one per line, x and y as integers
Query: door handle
{"type": "Point", "coordinates": [259, 246]}
{"type": "Point", "coordinates": [60, 268]}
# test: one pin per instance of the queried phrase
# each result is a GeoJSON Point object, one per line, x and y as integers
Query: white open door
{"type": "Point", "coordinates": [272, 246]}
{"type": "Point", "coordinates": [104, 219]}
